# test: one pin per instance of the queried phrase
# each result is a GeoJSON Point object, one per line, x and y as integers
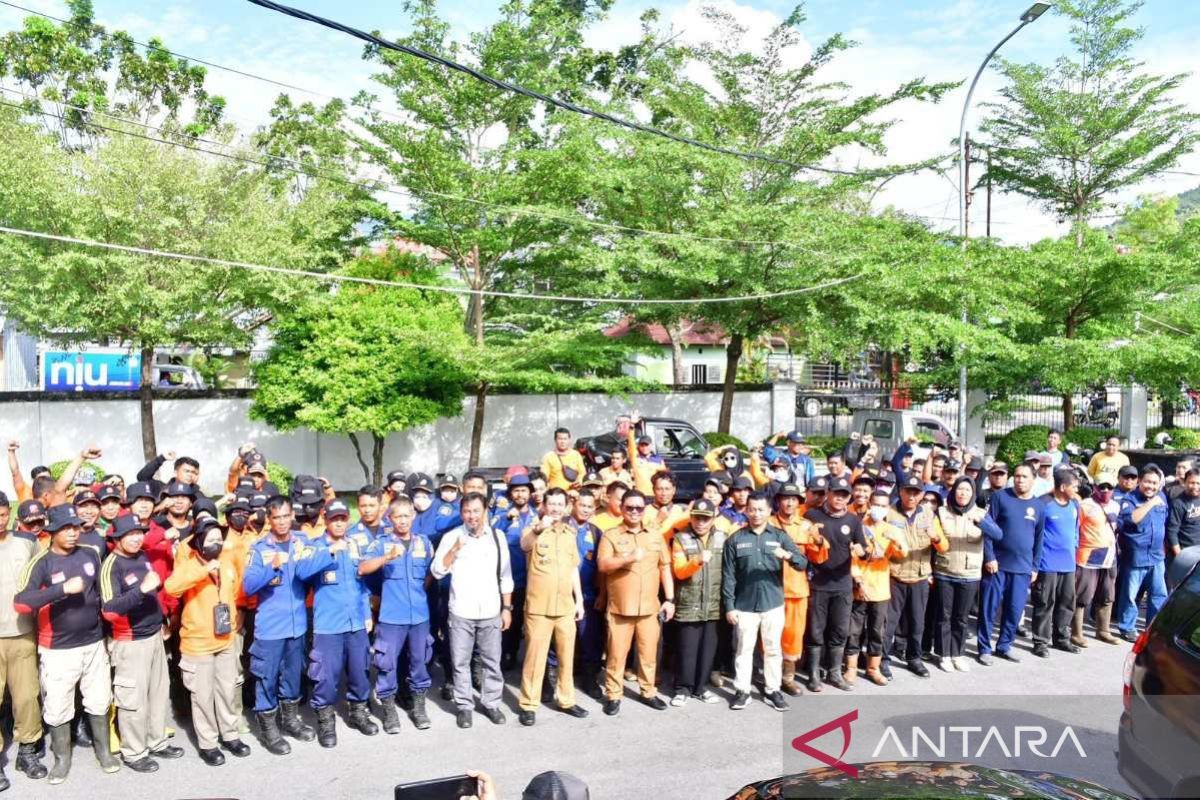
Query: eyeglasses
{"type": "Point", "coordinates": [635, 509]}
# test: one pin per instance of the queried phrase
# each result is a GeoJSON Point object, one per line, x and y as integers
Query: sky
{"type": "Point", "coordinates": [897, 40]}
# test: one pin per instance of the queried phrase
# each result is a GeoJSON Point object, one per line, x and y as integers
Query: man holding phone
{"type": "Point", "coordinates": [553, 605]}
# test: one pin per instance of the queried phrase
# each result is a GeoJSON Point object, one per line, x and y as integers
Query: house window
{"type": "Point", "coordinates": [699, 373]}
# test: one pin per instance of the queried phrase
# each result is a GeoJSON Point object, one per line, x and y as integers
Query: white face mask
{"type": "Point", "coordinates": [878, 513]}
{"type": "Point", "coordinates": [422, 501]}
{"type": "Point", "coordinates": [780, 475]}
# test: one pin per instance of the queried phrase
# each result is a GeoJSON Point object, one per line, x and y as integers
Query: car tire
{"type": "Point", "coordinates": [810, 407]}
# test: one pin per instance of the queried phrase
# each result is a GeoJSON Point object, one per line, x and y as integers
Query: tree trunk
{"type": "Point", "coordinates": [477, 299]}
{"type": "Point", "coordinates": [377, 457]}
{"type": "Point", "coordinates": [1168, 414]}
{"type": "Point", "coordinates": [1068, 409]}
{"type": "Point", "coordinates": [675, 333]}
{"type": "Point", "coordinates": [477, 425]}
{"type": "Point", "coordinates": [146, 401]}
{"type": "Point", "coordinates": [733, 354]}
{"type": "Point", "coordinates": [359, 455]}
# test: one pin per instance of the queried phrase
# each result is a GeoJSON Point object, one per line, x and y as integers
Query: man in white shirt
{"type": "Point", "coordinates": [476, 559]}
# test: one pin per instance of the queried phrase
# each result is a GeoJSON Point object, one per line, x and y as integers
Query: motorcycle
{"type": "Point", "coordinates": [1096, 411]}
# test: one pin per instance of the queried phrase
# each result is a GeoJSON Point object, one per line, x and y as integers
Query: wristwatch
{"type": "Point", "coordinates": [506, 608]}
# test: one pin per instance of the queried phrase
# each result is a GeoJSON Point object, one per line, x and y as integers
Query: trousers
{"type": "Point", "coordinates": [795, 620]}
{"type": "Point", "coordinates": [1095, 585]}
{"type": "Point", "coordinates": [696, 653]}
{"type": "Point", "coordinates": [751, 625]}
{"type": "Point", "coordinates": [63, 669]}
{"type": "Point", "coordinates": [276, 665]}
{"type": "Point", "coordinates": [956, 601]}
{"type": "Point", "coordinates": [1053, 607]}
{"type": "Point", "coordinates": [465, 636]}
{"type": "Point", "coordinates": [622, 631]}
{"type": "Point", "coordinates": [392, 642]}
{"type": "Point", "coordinates": [1003, 595]}
{"type": "Point", "coordinates": [214, 682]}
{"type": "Point", "coordinates": [335, 656]}
{"type": "Point", "coordinates": [19, 674]}
{"type": "Point", "coordinates": [141, 693]}
{"type": "Point", "coordinates": [539, 630]}
{"type": "Point", "coordinates": [829, 619]}
{"type": "Point", "coordinates": [908, 603]}
{"type": "Point", "coordinates": [1132, 583]}
{"type": "Point", "coordinates": [868, 618]}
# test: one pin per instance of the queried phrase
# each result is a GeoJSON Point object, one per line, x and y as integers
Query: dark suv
{"type": "Point", "coordinates": [1159, 739]}
{"type": "Point", "coordinates": [681, 446]}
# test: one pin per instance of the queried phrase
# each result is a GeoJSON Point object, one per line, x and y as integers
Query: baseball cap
{"type": "Point", "coordinates": [741, 482]}
{"type": "Point", "coordinates": [556, 785]}
{"type": "Point", "coordinates": [180, 489]}
{"type": "Point", "coordinates": [448, 481]}
{"type": "Point", "coordinates": [30, 510]}
{"type": "Point", "coordinates": [912, 482]}
{"type": "Point", "coordinates": [202, 526]}
{"type": "Point", "coordinates": [839, 485]}
{"type": "Point", "coordinates": [136, 491]}
{"type": "Point", "coordinates": [127, 523]}
{"type": "Point", "coordinates": [645, 440]}
{"type": "Point", "coordinates": [716, 481]}
{"type": "Point", "coordinates": [395, 476]}
{"type": "Point", "coordinates": [1128, 471]}
{"type": "Point", "coordinates": [204, 505]}
{"type": "Point", "coordinates": [238, 504]}
{"type": "Point", "coordinates": [258, 500]}
{"type": "Point", "coordinates": [976, 463]}
{"type": "Point", "coordinates": [423, 483]}
{"type": "Point", "coordinates": [336, 508]}
{"type": "Point", "coordinates": [109, 492]}
{"type": "Point", "coordinates": [789, 490]}
{"type": "Point", "coordinates": [85, 496]}
{"type": "Point", "coordinates": [520, 479]}
{"type": "Point", "coordinates": [61, 516]}
{"type": "Point", "coordinates": [593, 479]}
{"type": "Point", "coordinates": [1045, 459]}
{"type": "Point", "coordinates": [795, 436]}
{"type": "Point", "coordinates": [1032, 455]}
{"type": "Point", "coordinates": [998, 467]}
{"type": "Point", "coordinates": [864, 479]}
{"type": "Point", "coordinates": [703, 508]}
{"type": "Point", "coordinates": [952, 465]}
{"type": "Point", "coordinates": [819, 484]}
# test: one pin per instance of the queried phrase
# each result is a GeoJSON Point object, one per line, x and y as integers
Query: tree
{"type": "Point", "coordinates": [374, 359]}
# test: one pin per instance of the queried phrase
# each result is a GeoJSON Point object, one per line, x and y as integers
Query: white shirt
{"type": "Point", "coordinates": [473, 591]}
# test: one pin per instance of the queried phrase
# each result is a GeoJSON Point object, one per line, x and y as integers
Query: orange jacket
{"type": "Point", "coordinates": [804, 534]}
{"type": "Point", "coordinates": [873, 575]}
{"type": "Point", "coordinates": [642, 471]}
{"type": "Point", "coordinates": [192, 581]}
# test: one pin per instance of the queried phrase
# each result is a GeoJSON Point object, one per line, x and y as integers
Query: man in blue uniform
{"type": "Point", "coordinates": [341, 619]}
{"type": "Point", "coordinates": [1141, 538]}
{"type": "Point", "coordinates": [403, 558]}
{"type": "Point", "coordinates": [512, 524]}
{"type": "Point", "coordinates": [277, 655]}
{"type": "Point", "coordinates": [591, 627]}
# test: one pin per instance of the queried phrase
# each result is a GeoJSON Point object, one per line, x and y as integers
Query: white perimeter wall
{"type": "Point", "coordinates": [518, 430]}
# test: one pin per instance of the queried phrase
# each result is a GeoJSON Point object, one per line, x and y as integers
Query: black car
{"type": "Point", "coordinates": [678, 442]}
{"type": "Point", "coordinates": [902, 779]}
{"type": "Point", "coordinates": [1159, 736]}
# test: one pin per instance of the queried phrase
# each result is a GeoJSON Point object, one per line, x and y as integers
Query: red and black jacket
{"type": "Point", "coordinates": [131, 613]}
{"type": "Point", "coordinates": [64, 620]}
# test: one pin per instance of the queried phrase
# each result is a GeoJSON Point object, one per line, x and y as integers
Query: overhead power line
{"type": "Point", "coordinates": [221, 262]}
{"type": "Point", "coordinates": [499, 83]}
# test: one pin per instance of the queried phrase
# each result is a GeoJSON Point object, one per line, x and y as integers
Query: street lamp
{"type": "Point", "coordinates": [1031, 14]}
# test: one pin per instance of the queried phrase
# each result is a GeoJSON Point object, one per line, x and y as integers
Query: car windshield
{"type": "Point", "coordinates": [681, 443]}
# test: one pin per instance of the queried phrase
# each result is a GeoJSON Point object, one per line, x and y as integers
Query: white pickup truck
{"type": "Point", "coordinates": [891, 427]}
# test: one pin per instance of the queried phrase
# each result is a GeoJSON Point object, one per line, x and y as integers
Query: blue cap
{"type": "Point", "coordinates": [795, 436]}
{"type": "Point", "coordinates": [127, 523]}
{"type": "Point", "coordinates": [520, 479]}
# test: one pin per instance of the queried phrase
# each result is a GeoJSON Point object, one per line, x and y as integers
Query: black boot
{"type": "Point", "coordinates": [814, 669]}
{"type": "Point", "coordinates": [60, 746]}
{"type": "Point", "coordinates": [326, 727]}
{"type": "Point", "coordinates": [100, 741]}
{"type": "Point", "coordinates": [836, 663]}
{"type": "Point", "coordinates": [419, 717]}
{"type": "Point", "coordinates": [360, 719]}
{"type": "Point", "coordinates": [268, 724]}
{"type": "Point", "coordinates": [29, 762]}
{"type": "Point", "coordinates": [290, 722]}
{"type": "Point", "coordinates": [83, 737]}
{"type": "Point", "coordinates": [391, 719]}
{"type": "Point", "coordinates": [4, 784]}
{"type": "Point", "coordinates": [550, 685]}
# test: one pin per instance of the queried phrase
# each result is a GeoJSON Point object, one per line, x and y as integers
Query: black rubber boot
{"type": "Point", "coordinates": [60, 746]}
{"type": "Point", "coordinates": [360, 719]}
{"type": "Point", "coordinates": [291, 724]}
{"type": "Point", "coordinates": [268, 723]}
{"type": "Point", "coordinates": [419, 718]}
{"type": "Point", "coordinates": [836, 661]}
{"type": "Point", "coordinates": [83, 737]}
{"type": "Point", "coordinates": [814, 669]}
{"type": "Point", "coordinates": [100, 741]}
{"type": "Point", "coordinates": [29, 762]}
{"type": "Point", "coordinates": [326, 727]}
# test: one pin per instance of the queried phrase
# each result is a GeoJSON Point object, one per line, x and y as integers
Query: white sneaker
{"type": "Point", "coordinates": [945, 665]}
{"type": "Point", "coordinates": [679, 699]}
{"type": "Point", "coordinates": [961, 664]}
{"type": "Point", "coordinates": [709, 697]}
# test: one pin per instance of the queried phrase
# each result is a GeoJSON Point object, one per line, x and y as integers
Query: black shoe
{"type": "Point", "coordinates": [775, 700]}
{"type": "Point", "coordinates": [885, 668]}
{"type": "Point", "coordinates": [170, 751]}
{"type": "Point", "coordinates": [495, 715]}
{"type": "Point", "coordinates": [574, 711]}
{"type": "Point", "coordinates": [447, 692]}
{"type": "Point", "coordinates": [1023, 632]}
{"type": "Point", "coordinates": [612, 707]}
{"type": "Point", "coordinates": [919, 669]}
{"type": "Point", "coordinates": [143, 764]}
{"type": "Point", "coordinates": [405, 701]}
{"type": "Point", "coordinates": [1008, 656]}
{"type": "Point", "coordinates": [272, 739]}
{"type": "Point", "coordinates": [463, 719]}
{"type": "Point", "coordinates": [326, 727]}
{"type": "Point", "coordinates": [526, 718]}
{"type": "Point", "coordinates": [359, 718]}
{"type": "Point", "coordinates": [419, 717]}
{"type": "Point", "coordinates": [28, 761]}
{"type": "Point", "coordinates": [1129, 636]}
{"type": "Point", "coordinates": [1041, 650]}
{"type": "Point", "coordinates": [656, 702]}
{"type": "Point", "coordinates": [739, 701]}
{"type": "Point", "coordinates": [237, 748]}
{"type": "Point", "coordinates": [214, 757]}
{"type": "Point", "coordinates": [1066, 646]}
{"type": "Point", "coordinates": [291, 724]}
{"type": "Point", "coordinates": [550, 685]}
{"type": "Point", "coordinates": [4, 781]}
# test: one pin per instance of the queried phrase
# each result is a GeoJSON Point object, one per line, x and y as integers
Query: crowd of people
{"type": "Point", "coordinates": [121, 600]}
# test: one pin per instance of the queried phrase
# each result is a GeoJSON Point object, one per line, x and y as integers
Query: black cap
{"type": "Point", "coordinates": [448, 481]}
{"type": "Point", "coordinates": [998, 467]}
{"type": "Point", "coordinates": [336, 508]}
{"type": "Point", "coordinates": [61, 516]}
{"type": "Point", "coordinates": [703, 508]}
{"type": "Point", "coordinates": [741, 482]}
{"type": "Point", "coordinates": [255, 462]}
{"type": "Point", "coordinates": [1127, 472]}
{"type": "Point", "coordinates": [952, 465]}
{"type": "Point", "coordinates": [645, 440]}
{"type": "Point", "coordinates": [555, 786]}
{"type": "Point", "coordinates": [180, 489]}
{"type": "Point", "coordinates": [422, 483]}
{"type": "Point", "coordinates": [204, 505]}
{"type": "Point", "coordinates": [592, 479]}
{"type": "Point", "coordinates": [85, 496]}
{"type": "Point", "coordinates": [864, 479]}
{"type": "Point", "coordinates": [912, 482]}
{"type": "Point", "coordinates": [976, 463]}
{"type": "Point", "coordinates": [395, 476]}
{"type": "Point", "coordinates": [202, 526]}
{"type": "Point", "coordinates": [31, 509]}
{"type": "Point", "coordinates": [789, 490]}
{"type": "Point", "coordinates": [135, 491]}
{"type": "Point", "coordinates": [839, 485]}
{"type": "Point", "coordinates": [127, 523]}
{"type": "Point", "coordinates": [259, 500]}
{"type": "Point", "coordinates": [819, 484]}
{"type": "Point", "coordinates": [109, 492]}
{"type": "Point", "coordinates": [238, 504]}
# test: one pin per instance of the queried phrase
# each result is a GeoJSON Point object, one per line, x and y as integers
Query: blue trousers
{"type": "Point", "coordinates": [1132, 582]}
{"type": "Point", "coordinates": [276, 665]}
{"type": "Point", "coordinates": [390, 642]}
{"type": "Point", "coordinates": [1003, 593]}
{"type": "Point", "coordinates": [336, 656]}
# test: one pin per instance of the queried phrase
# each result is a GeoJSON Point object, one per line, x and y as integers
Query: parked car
{"type": "Point", "coordinates": [677, 441]}
{"type": "Point", "coordinates": [948, 779]}
{"type": "Point", "coordinates": [1158, 742]}
{"type": "Point", "coordinates": [891, 427]}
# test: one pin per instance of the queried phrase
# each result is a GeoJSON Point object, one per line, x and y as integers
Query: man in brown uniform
{"type": "Point", "coordinates": [634, 562]}
{"type": "Point", "coordinates": [553, 604]}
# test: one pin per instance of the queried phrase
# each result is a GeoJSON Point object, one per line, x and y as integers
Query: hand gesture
{"type": "Point", "coordinates": [911, 440]}
{"type": "Point", "coordinates": [246, 448]}
{"type": "Point", "coordinates": [227, 498]}
{"type": "Point", "coordinates": [513, 513]}
{"type": "Point", "coordinates": [337, 547]}
{"type": "Point", "coordinates": [857, 550]}
{"type": "Point", "coordinates": [668, 608]}
{"type": "Point", "coordinates": [395, 550]}
{"type": "Point", "coordinates": [169, 455]}
{"type": "Point", "coordinates": [579, 611]}
{"type": "Point", "coordinates": [781, 552]}
{"type": "Point", "coordinates": [73, 585]}
{"type": "Point", "coordinates": [639, 554]}
{"type": "Point", "coordinates": [171, 534]}
{"type": "Point", "coordinates": [279, 560]}
{"type": "Point", "coordinates": [91, 453]}
{"type": "Point", "coordinates": [706, 556]}
{"type": "Point", "coordinates": [13, 446]}
{"type": "Point", "coordinates": [151, 582]}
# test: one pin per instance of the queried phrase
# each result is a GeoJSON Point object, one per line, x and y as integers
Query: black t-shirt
{"type": "Point", "coordinates": [834, 574]}
{"type": "Point", "coordinates": [131, 613]}
{"type": "Point", "coordinates": [72, 620]}
{"type": "Point", "coordinates": [1183, 521]}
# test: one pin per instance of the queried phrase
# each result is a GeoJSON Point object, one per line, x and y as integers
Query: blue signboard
{"type": "Point", "coordinates": [90, 372]}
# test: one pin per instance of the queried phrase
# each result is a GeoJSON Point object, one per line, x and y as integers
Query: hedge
{"type": "Point", "coordinates": [1181, 438]}
{"type": "Point", "coordinates": [1016, 442]}
{"type": "Point", "coordinates": [281, 476]}
{"type": "Point", "coordinates": [716, 440]}
{"type": "Point", "coordinates": [822, 446]}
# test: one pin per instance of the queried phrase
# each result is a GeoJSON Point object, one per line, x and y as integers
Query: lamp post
{"type": "Point", "coordinates": [1031, 14]}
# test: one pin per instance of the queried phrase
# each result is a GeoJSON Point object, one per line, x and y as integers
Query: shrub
{"type": "Point", "coordinates": [1181, 438]}
{"type": "Point", "coordinates": [716, 440]}
{"type": "Point", "coordinates": [281, 476]}
{"type": "Point", "coordinates": [826, 444]}
{"type": "Point", "coordinates": [1012, 447]}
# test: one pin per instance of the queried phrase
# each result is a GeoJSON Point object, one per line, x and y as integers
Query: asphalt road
{"type": "Point", "coordinates": [699, 751]}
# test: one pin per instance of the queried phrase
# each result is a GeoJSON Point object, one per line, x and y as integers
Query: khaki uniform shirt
{"type": "Point", "coordinates": [633, 589]}
{"type": "Point", "coordinates": [15, 553]}
{"type": "Point", "coordinates": [553, 565]}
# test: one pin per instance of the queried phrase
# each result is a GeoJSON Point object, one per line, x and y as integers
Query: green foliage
{"type": "Point", "coordinates": [1018, 441]}
{"type": "Point", "coordinates": [1087, 438]}
{"type": "Point", "coordinates": [827, 444]}
{"type": "Point", "coordinates": [281, 476]}
{"type": "Point", "coordinates": [721, 439]}
{"type": "Point", "coordinates": [1181, 438]}
{"type": "Point", "coordinates": [59, 467]}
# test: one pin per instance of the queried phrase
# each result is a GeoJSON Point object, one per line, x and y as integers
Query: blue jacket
{"type": "Point", "coordinates": [1022, 523]}
{"type": "Point", "coordinates": [733, 515]}
{"type": "Point", "coordinates": [281, 612]}
{"type": "Point", "coordinates": [587, 536]}
{"type": "Point", "coordinates": [341, 601]}
{"type": "Point", "coordinates": [1061, 537]}
{"type": "Point", "coordinates": [359, 530]}
{"type": "Point", "coordinates": [449, 517]}
{"type": "Point", "coordinates": [1141, 544]}
{"type": "Point", "coordinates": [404, 600]}
{"type": "Point", "coordinates": [512, 530]}
{"type": "Point", "coordinates": [426, 521]}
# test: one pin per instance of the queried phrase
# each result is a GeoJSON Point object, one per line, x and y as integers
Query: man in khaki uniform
{"type": "Point", "coordinates": [553, 604]}
{"type": "Point", "coordinates": [635, 562]}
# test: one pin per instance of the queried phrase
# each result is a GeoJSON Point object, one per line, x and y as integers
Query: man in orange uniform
{"type": "Point", "coordinates": [872, 586]}
{"type": "Point", "coordinates": [787, 517]}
